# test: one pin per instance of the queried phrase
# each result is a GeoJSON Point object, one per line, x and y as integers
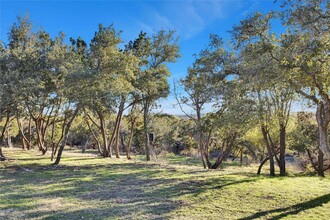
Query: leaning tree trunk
{"type": "Point", "coordinates": [224, 155]}
{"type": "Point", "coordinates": [220, 159]}
{"type": "Point", "coordinates": [314, 164]}
{"type": "Point", "coordinates": [323, 119]}
{"type": "Point", "coordinates": [65, 137]}
{"type": "Point", "coordinates": [272, 147]}
{"type": "Point", "coordinates": [269, 150]}
{"type": "Point", "coordinates": [262, 163]}
{"type": "Point", "coordinates": [319, 164]}
{"type": "Point", "coordinates": [25, 141]}
{"type": "Point", "coordinates": [95, 137]}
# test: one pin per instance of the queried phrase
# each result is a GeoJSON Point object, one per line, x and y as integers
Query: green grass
{"type": "Point", "coordinates": [85, 186]}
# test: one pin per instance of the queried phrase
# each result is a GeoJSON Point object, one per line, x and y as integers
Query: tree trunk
{"type": "Point", "coordinates": [9, 143]}
{"type": "Point", "coordinates": [114, 137]}
{"type": "Point", "coordinates": [118, 122]}
{"type": "Point", "coordinates": [225, 153]}
{"type": "Point", "coordinates": [269, 150]}
{"type": "Point", "coordinates": [122, 142]}
{"type": "Point", "coordinates": [121, 111]}
{"type": "Point", "coordinates": [320, 170]}
{"type": "Point", "coordinates": [314, 165]}
{"type": "Point", "coordinates": [206, 151]}
{"type": "Point", "coordinates": [2, 157]}
{"type": "Point", "coordinates": [39, 136]}
{"type": "Point", "coordinates": [65, 137]}
{"type": "Point", "coordinates": [106, 153]}
{"type": "Point", "coordinates": [219, 161]}
{"type": "Point", "coordinates": [272, 147]}
{"type": "Point", "coordinates": [128, 148]}
{"type": "Point", "coordinates": [117, 144]}
{"type": "Point", "coordinates": [53, 152]}
{"type": "Point", "coordinates": [95, 138]}
{"type": "Point", "coordinates": [200, 146]}
{"type": "Point", "coordinates": [262, 164]}
{"type": "Point", "coordinates": [52, 139]}
{"type": "Point", "coordinates": [319, 165]}
{"type": "Point", "coordinates": [145, 128]}
{"type": "Point", "coordinates": [30, 134]}
{"type": "Point", "coordinates": [323, 119]}
{"type": "Point", "coordinates": [282, 150]}
{"type": "Point", "coordinates": [251, 148]}
{"type": "Point", "coordinates": [25, 141]}
{"type": "Point", "coordinates": [200, 137]}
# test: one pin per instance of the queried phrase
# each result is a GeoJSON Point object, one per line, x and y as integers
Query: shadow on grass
{"type": "Point", "coordinates": [230, 183]}
{"type": "Point", "coordinates": [292, 210]}
{"type": "Point", "coordinates": [119, 194]}
{"type": "Point", "coordinates": [130, 190]}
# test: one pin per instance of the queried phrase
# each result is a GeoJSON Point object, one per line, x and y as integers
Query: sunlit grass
{"type": "Point", "coordinates": [85, 186]}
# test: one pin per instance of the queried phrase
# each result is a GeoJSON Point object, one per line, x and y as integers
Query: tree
{"type": "Point", "coordinates": [10, 59]}
{"type": "Point", "coordinates": [229, 123]}
{"type": "Point", "coordinates": [306, 49]}
{"type": "Point", "coordinates": [200, 91]}
{"type": "Point", "coordinates": [213, 78]}
{"type": "Point", "coordinates": [111, 72]}
{"type": "Point", "coordinates": [3, 94]}
{"type": "Point", "coordinates": [71, 92]}
{"type": "Point", "coordinates": [151, 81]}
{"type": "Point", "coordinates": [260, 69]}
{"type": "Point", "coordinates": [37, 64]}
{"type": "Point", "coordinates": [200, 86]}
{"type": "Point", "coordinates": [303, 52]}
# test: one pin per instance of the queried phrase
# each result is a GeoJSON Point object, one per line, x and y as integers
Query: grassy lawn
{"type": "Point", "coordinates": [85, 186]}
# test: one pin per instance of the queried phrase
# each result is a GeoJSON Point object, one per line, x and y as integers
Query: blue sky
{"type": "Point", "coordinates": [193, 21]}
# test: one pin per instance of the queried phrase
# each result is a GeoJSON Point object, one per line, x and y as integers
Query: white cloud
{"type": "Point", "coordinates": [189, 18]}
{"type": "Point", "coordinates": [145, 27]}
{"type": "Point", "coordinates": [162, 21]}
